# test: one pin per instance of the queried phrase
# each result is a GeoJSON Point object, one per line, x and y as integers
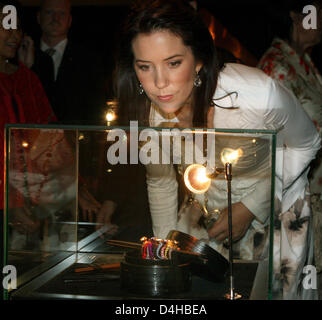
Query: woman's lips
{"type": "Point", "coordinates": [12, 46]}
{"type": "Point", "coordinates": [165, 98]}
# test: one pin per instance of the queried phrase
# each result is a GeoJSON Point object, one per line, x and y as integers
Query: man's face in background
{"type": "Point", "coordinates": [55, 18]}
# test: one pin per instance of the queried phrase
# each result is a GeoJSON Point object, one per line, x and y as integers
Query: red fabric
{"type": "Point", "coordinates": [32, 107]}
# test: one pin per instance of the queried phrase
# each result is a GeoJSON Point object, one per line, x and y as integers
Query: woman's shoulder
{"type": "Point", "coordinates": [249, 90]}
{"type": "Point", "coordinates": [239, 76]}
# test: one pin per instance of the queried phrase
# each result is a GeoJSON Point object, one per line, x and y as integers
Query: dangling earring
{"type": "Point", "coordinates": [141, 90]}
{"type": "Point", "coordinates": [197, 82]}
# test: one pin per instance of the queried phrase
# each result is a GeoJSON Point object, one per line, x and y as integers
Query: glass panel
{"type": "Point", "coordinates": [121, 158]}
{"type": "Point", "coordinates": [274, 283]}
{"type": "Point", "coordinates": [41, 199]}
{"type": "Point", "coordinates": [133, 175]}
{"type": "Point", "coordinates": [120, 188]}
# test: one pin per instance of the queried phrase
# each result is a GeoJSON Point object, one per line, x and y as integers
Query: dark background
{"type": "Point", "coordinates": [97, 25]}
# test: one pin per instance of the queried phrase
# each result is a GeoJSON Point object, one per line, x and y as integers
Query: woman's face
{"type": "Point", "coordinates": [9, 41]}
{"type": "Point", "coordinates": [166, 69]}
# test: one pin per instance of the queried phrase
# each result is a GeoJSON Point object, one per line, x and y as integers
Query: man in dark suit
{"type": "Point", "coordinates": [72, 76]}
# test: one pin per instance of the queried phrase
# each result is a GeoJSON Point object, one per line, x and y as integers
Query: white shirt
{"type": "Point", "coordinates": [58, 55]}
{"type": "Point", "coordinates": [263, 104]}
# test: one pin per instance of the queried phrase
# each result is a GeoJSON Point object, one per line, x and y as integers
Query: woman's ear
{"type": "Point", "coordinates": [198, 67]}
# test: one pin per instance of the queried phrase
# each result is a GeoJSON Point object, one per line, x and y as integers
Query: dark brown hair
{"type": "Point", "coordinates": [179, 18]}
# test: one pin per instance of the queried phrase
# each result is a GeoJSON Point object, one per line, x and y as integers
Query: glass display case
{"type": "Point", "coordinates": [70, 190]}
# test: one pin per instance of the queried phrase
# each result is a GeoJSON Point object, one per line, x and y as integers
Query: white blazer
{"type": "Point", "coordinates": [262, 103]}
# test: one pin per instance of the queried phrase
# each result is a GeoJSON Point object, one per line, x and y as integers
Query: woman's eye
{"type": "Point", "coordinates": [174, 64]}
{"type": "Point", "coordinates": [143, 67]}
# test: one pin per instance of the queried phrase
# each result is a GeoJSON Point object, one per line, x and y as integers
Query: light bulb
{"type": "Point", "coordinates": [229, 155]}
{"type": "Point", "coordinates": [110, 115]}
{"type": "Point", "coordinates": [196, 179]}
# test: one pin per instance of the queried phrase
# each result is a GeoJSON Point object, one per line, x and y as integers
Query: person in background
{"type": "Point", "coordinates": [22, 97]}
{"type": "Point", "coordinates": [24, 101]}
{"type": "Point", "coordinates": [74, 79]}
{"type": "Point", "coordinates": [288, 61]}
{"type": "Point", "coordinates": [167, 72]}
{"type": "Point", "coordinates": [72, 75]}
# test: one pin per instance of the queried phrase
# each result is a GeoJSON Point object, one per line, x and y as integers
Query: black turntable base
{"type": "Point", "coordinates": [106, 284]}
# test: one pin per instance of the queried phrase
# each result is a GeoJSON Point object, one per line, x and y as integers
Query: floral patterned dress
{"type": "Point", "coordinates": [299, 74]}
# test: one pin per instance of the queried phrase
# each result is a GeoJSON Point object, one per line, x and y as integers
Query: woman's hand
{"type": "Point", "coordinates": [241, 220]}
{"type": "Point", "coordinates": [103, 218]}
{"type": "Point", "coordinates": [88, 204]}
{"type": "Point", "coordinates": [26, 52]}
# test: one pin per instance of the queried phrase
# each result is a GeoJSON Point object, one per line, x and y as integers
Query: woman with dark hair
{"type": "Point", "coordinates": [203, 50]}
{"type": "Point", "coordinates": [167, 72]}
{"type": "Point", "coordinates": [288, 61]}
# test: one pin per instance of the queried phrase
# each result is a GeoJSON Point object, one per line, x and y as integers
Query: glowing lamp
{"type": "Point", "coordinates": [111, 112]}
{"type": "Point", "coordinates": [196, 179]}
{"type": "Point", "coordinates": [110, 115]}
{"type": "Point", "coordinates": [230, 155]}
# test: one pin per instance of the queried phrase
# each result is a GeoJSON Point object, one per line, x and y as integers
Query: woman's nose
{"type": "Point", "coordinates": [161, 80]}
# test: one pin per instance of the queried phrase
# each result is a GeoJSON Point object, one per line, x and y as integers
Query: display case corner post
{"type": "Point", "coordinates": [272, 215]}
{"type": "Point", "coordinates": [6, 206]}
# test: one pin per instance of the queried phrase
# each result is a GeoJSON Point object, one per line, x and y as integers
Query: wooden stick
{"type": "Point", "coordinates": [124, 243]}
{"type": "Point", "coordinates": [103, 266]}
